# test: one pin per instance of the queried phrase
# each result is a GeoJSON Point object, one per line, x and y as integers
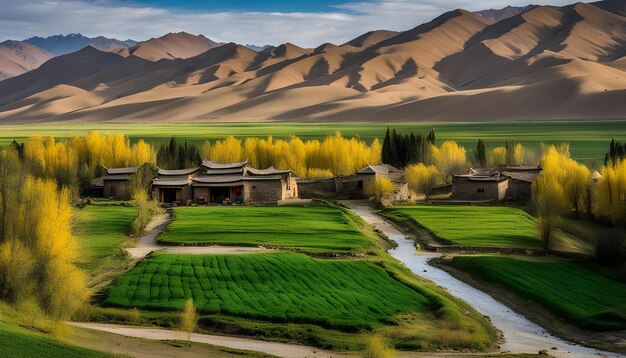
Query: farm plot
{"type": "Point", "coordinates": [280, 287]}
{"type": "Point", "coordinates": [101, 230]}
{"type": "Point", "coordinates": [472, 225]}
{"type": "Point", "coordinates": [586, 297]}
{"type": "Point", "coordinates": [315, 228]}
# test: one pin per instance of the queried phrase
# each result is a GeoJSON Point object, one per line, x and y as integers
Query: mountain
{"type": "Point", "coordinates": [258, 48]}
{"type": "Point", "coordinates": [17, 57]}
{"type": "Point", "coordinates": [504, 13]}
{"type": "Point", "coordinates": [615, 6]}
{"type": "Point", "coordinates": [544, 63]}
{"type": "Point", "coordinates": [63, 44]}
{"type": "Point", "coordinates": [170, 46]}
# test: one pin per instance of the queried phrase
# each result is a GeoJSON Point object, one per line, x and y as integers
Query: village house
{"type": "Point", "coordinates": [224, 183]}
{"type": "Point", "coordinates": [115, 183]}
{"type": "Point", "coordinates": [354, 186]}
{"type": "Point", "coordinates": [504, 183]}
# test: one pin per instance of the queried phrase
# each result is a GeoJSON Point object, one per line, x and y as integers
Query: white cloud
{"type": "Point", "coordinates": [26, 18]}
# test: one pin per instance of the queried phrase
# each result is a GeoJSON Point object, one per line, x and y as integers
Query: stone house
{"type": "Point", "coordinates": [354, 186]}
{"type": "Point", "coordinates": [218, 183]}
{"type": "Point", "coordinates": [504, 183]}
{"type": "Point", "coordinates": [116, 182]}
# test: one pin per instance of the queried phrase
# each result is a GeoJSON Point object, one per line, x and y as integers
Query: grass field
{"type": "Point", "coordinates": [101, 230]}
{"type": "Point", "coordinates": [576, 293]}
{"type": "Point", "coordinates": [286, 287]}
{"type": "Point", "coordinates": [589, 140]}
{"type": "Point", "coordinates": [18, 342]}
{"type": "Point", "coordinates": [472, 225]}
{"type": "Point", "coordinates": [314, 228]}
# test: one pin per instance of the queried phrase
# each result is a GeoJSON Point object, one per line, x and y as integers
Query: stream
{"type": "Point", "coordinates": [520, 334]}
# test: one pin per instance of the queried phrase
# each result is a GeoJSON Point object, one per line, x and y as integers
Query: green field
{"type": "Point", "coordinates": [574, 292]}
{"type": "Point", "coordinates": [314, 228]}
{"type": "Point", "coordinates": [589, 140]}
{"type": "Point", "coordinates": [284, 287]}
{"type": "Point", "coordinates": [101, 230]}
{"type": "Point", "coordinates": [489, 226]}
{"type": "Point", "coordinates": [18, 342]}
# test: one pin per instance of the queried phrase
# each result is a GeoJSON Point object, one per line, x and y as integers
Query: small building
{"type": "Point", "coordinates": [521, 179]}
{"type": "Point", "coordinates": [354, 186]}
{"type": "Point", "coordinates": [116, 182]}
{"type": "Point", "coordinates": [505, 183]}
{"type": "Point", "coordinates": [479, 185]}
{"type": "Point", "coordinates": [218, 183]}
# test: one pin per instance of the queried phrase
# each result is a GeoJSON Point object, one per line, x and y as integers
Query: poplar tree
{"type": "Point", "coordinates": [481, 154]}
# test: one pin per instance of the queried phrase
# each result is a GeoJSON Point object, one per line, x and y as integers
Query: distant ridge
{"type": "Point", "coordinates": [504, 13]}
{"type": "Point", "coordinates": [64, 44]}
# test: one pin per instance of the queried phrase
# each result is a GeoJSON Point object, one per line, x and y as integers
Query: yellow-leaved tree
{"type": "Point", "coordinates": [560, 189]}
{"type": "Point", "coordinates": [450, 159]}
{"type": "Point", "coordinates": [189, 318]}
{"type": "Point", "coordinates": [37, 249]}
{"type": "Point", "coordinates": [423, 179]}
{"type": "Point", "coordinates": [610, 195]}
{"type": "Point", "coordinates": [379, 188]}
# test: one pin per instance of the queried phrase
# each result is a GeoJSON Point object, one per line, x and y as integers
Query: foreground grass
{"type": "Point", "coordinates": [17, 341]}
{"type": "Point", "coordinates": [584, 296]}
{"type": "Point", "coordinates": [588, 139]}
{"type": "Point", "coordinates": [283, 287]}
{"type": "Point", "coordinates": [314, 228]}
{"type": "Point", "coordinates": [472, 225]}
{"type": "Point", "coordinates": [101, 232]}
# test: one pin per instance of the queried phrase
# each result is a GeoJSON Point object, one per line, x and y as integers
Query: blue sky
{"type": "Point", "coordinates": [305, 23]}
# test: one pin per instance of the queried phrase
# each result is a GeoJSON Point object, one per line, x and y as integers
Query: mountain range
{"type": "Point", "coordinates": [63, 44]}
{"type": "Point", "coordinates": [544, 63]}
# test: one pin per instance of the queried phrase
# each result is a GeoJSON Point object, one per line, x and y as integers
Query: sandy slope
{"type": "Point", "coordinates": [17, 57]}
{"type": "Point", "coordinates": [549, 62]}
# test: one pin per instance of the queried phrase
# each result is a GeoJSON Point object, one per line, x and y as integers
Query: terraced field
{"type": "Point", "coordinates": [471, 225]}
{"type": "Point", "coordinates": [281, 287]}
{"type": "Point", "coordinates": [314, 228]}
{"type": "Point", "coordinates": [588, 298]}
{"type": "Point", "coordinates": [101, 230]}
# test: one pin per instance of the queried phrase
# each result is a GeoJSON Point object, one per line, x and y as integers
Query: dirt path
{"type": "Point", "coordinates": [148, 243]}
{"type": "Point", "coordinates": [520, 334]}
{"type": "Point", "coordinates": [272, 348]}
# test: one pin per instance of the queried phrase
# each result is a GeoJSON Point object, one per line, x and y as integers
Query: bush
{"type": "Point", "coordinates": [377, 347]}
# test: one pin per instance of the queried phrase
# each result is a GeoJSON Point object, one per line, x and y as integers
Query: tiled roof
{"type": "Point", "coordinates": [178, 172]}
{"type": "Point", "coordinates": [268, 171]}
{"type": "Point", "coordinates": [213, 179]}
{"type": "Point", "coordinates": [379, 169]}
{"type": "Point", "coordinates": [209, 164]}
{"type": "Point", "coordinates": [128, 170]}
{"type": "Point", "coordinates": [117, 177]}
{"type": "Point", "coordinates": [238, 171]}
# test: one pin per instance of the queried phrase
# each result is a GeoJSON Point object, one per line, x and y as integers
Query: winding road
{"type": "Point", "coordinates": [520, 334]}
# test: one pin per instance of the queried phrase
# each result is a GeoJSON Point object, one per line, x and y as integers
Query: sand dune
{"type": "Point", "coordinates": [170, 46]}
{"type": "Point", "coordinates": [547, 62]}
{"type": "Point", "coordinates": [17, 57]}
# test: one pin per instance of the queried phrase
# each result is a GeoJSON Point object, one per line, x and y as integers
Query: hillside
{"type": "Point", "coordinates": [544, 63]}
{"type": "Point", "coordinates": [17, 57]}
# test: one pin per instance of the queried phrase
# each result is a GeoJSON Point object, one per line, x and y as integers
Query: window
{"type": "Point", "coordinates": [288, 184]}
{"type": "Point", "coordinates": [360, 184]}
{"type": "Point", "coordinates": [254, 187]}
{"type": "Point", "coordinates": [481, 190]}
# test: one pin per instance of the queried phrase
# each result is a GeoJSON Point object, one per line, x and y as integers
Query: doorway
{"type": "Point", "coordinates": [218, 195]}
